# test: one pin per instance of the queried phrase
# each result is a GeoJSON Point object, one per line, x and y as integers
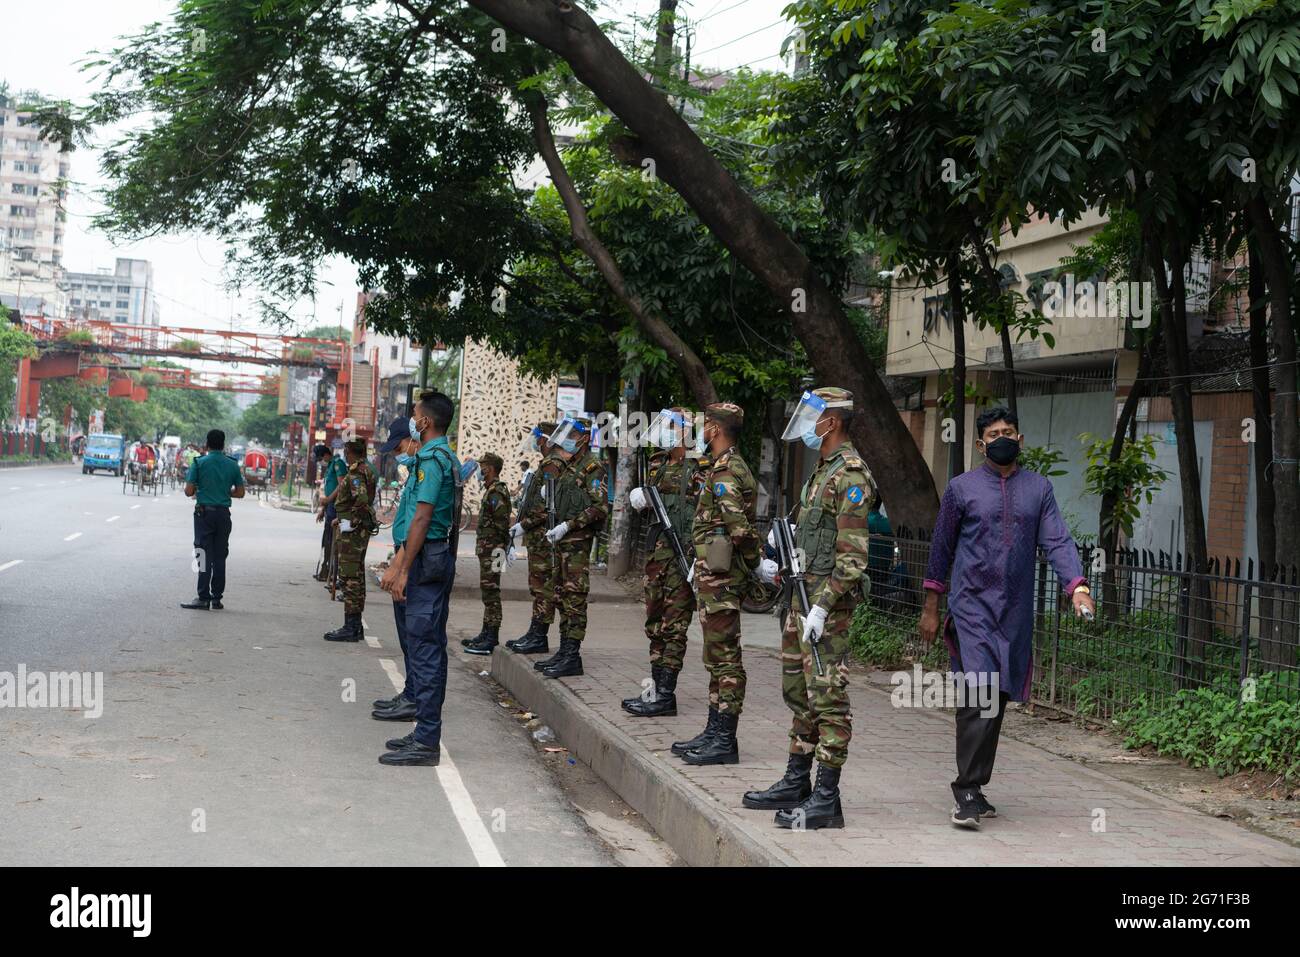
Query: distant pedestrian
{"type": "Point", "coordinates": [992, 521]}
{"type": "Point", "coordinates": [212, 481]}
{"type": "Point", "coordinates": [332, 468]}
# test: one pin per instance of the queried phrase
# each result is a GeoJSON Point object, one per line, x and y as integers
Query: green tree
{"type": "Point", "coordinates": [15, 344]}
{"type": "Point", "coordinates": [263, 422]}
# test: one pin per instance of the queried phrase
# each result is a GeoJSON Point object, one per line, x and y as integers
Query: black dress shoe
{"type": "Point", "coordinates": [415, 754]}
{"type": "Point", "coordinates": [396, 744]}
{"type": "Point", "coordinates": [383, 704]}
{"type": "Point", "coordinates": [216, 604]}
{"type": "Point", "coordinates": [402, 711]}
{"type": "Point", "coordinates": [197, 604]}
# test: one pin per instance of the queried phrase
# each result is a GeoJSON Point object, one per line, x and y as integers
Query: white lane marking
{"type": "Point", "coordinates": [462, 805]}
{"type": "Point", "coordinates": [135, 506]}
{"type": "Point", "coordinates": [40, 485]}
{"type": "Point", "coordinates": [73, 536]}
{"type": "Point", "coordinates": [14, 488]}
{"type": "Point", "coordinates": [373, 642]}
{"type": "Point", "coordinates": [113, 519]}
{"type": "Point", "coordinates": [16, 561]}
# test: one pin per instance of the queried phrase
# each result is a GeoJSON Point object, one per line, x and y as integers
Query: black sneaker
{"type": "Point", "coordinates": [966, 813]}
{"type": "Point", "coordinates": [198, 604]}
{"type": "Point", "coordinates": [986, 809]}
{"type": "Point", "coordinates": [216, 604]}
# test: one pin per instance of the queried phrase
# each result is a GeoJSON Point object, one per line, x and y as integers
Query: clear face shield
{"type": "Point", "coordinates": [667, 430]}
{"type": "Point", "coordinates": [531, 443]}
{"type": "Point", "coordinates": [568, 434]}
{"type": "Point", "coordinates": [806, 414]}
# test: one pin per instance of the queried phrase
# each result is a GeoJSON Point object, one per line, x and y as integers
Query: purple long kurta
{"type": "Point", "coordinates": [988, 532]}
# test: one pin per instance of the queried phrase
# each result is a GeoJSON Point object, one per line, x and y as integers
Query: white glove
{"type": "Point", "coordinates": [636, 498]}
{"type": "Point", "coordinates": [557, 533]}
{"type": "Point", "coordinates": [345, 525]}
{"type": "Point", "coordinates": [510, 556]}
{"type": "Point", "coordinates": [516, 531]}
{"type": "Point", "coordinates": [768, 571]}
{"type": "Point", "coordinates": [542, 493]}
{"type": "Point", "coordinates": [814, 624]}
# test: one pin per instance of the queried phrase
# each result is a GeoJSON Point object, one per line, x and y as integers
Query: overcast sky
{"type": "Point", "coordinates": [47, 39]}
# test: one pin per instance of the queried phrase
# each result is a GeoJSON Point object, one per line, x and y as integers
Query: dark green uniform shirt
{"type": "Point", "coordinates": [212, 476]}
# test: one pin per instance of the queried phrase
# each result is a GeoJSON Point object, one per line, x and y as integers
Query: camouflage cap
{"type": "Point", "coordinates": [833, 395]}
{"type": "Point", "coordinates": [725, 412]}
{"type": "Point", "coordinates": [491, 460]}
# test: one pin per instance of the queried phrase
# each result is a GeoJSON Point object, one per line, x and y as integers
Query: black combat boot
{"type": "Point", "coordinates": [654, 681]}
{"type": "Point", "coordinates": [710, 725]}
{"type": "Point", "coordinates": [484, 643]}
{"type": "Point", "coordinates": [790, 791]}
{"type": "Point", "coordinates": [533, 627]}
{"type": "Point", "coordinates": [819, 809]}
{"type": "Point", "coordinates": [466, 642]}
{"type": "Point", "coordinates": [654, 678]}
{"type": "Point", "coordinates": [351, 630]}
{"type": "Point", "coordinates": [567, 662]}
{"type": "Point", "coordinates": [664, 703]}
{"type": "Point", "coordinates": [721, 748]}
{"type": "Point", "coordinates": [537, 642]}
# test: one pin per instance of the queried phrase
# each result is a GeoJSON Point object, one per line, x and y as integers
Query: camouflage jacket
{"type": "Point", "coordinates": [726, 507]}
{"type": "Point", "coordinates": [581, 497]}
{"type": "Point", "coordinates": [832, 524]}
{"type": "Point", "coordinates": [356, 495]}
{"type": "Point", "coordinates": [675, 481]}
{"type": "Point", "coordinates": [532, 511]}
{"type": "Point", "coordinates": [493, 518]}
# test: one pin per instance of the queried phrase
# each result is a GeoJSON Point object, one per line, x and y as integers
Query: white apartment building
{"type": "Point", "coordinates": [33, 174]}
{"type": "Point", "coordinates": [126, 294]}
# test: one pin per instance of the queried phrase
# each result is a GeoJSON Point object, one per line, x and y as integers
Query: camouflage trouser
{"type": "Point", "coordinates": [573, 574]}
{"type": "Point", "coordinates": [489, 582]}
{"type": "Point", "coordinates": [822, 720]}
{"type": "Point", "coordinates": [719, 599]}
{"type": "Point", "coordinates": [541, 575]}
{"type": "Point", "coordinates": [352, 570]}
{"type": "Point", "coordinates": [669, 604]}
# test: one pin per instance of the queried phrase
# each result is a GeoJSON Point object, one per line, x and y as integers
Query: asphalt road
{"type": "Point", "coordinates": [231, 737]}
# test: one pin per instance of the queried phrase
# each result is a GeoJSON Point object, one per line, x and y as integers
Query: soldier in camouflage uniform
{"type": "Point", "coordinates": [530, 528]}
{"type": "Point", "coordinates": [669, 597]}
{"type": "Point", "coordinates": [491, 545]}
{"type": "Point", "coordinates": [833, 537]}
{"type": "Point", "coordinates": [579, 510]}
{"type": "Point", "coordinates": [727, 550]}
{"type": "Point", "coordinates": [354, 507]}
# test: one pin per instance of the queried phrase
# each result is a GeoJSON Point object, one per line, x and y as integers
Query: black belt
{"type": "Point", "coordinates": [437, 541]}
{"type": "Point", "coordinates": [224, 507]}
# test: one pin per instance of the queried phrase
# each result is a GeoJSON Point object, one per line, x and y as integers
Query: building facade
{"type": "Point", "coordinates": [33, 174]}
{"type": "Point", "coordinates": [127, 294]}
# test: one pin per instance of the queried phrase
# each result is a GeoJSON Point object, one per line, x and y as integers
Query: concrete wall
{"type": "Point", "coordinates": [1057, 420]}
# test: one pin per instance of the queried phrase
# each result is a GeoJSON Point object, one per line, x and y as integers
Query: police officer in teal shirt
{"type": "Point", "coordinates": [212, 481]}
{"type": "Point", "coordinates": [400, 707]}
{"type": "Point", "coordinates": [335, 469]}
{"type": "Point", "coordinates": [422, 576]}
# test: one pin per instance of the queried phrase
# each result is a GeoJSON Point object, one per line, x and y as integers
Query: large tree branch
{"type": "Point", "coordinates": [696, 375]}
{"type": "Point", "coordinates": [758, 242]}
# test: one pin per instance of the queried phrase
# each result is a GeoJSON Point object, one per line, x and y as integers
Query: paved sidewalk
{"type": "Point", "coordinates": [1051, 810]}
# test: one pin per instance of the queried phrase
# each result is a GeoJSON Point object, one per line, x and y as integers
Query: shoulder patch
{"type": "Point", "coordinates": [720, 488]}
{"type": "Point", "coordinates": [855, 494]}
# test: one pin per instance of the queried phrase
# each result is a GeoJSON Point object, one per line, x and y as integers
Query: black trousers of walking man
{"type": "Point", "coordinates": [211, 546]}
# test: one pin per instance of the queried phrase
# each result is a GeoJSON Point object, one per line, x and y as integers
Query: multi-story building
{"type": "Point", "coordinates": [127, 294]}
{"type": "Point", "coordinates": [33, 174]}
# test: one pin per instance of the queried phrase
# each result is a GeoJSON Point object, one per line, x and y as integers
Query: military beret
{"type": "Point", "coordinates": [834, 395]}
{"type": "Point", "coordinates": [724, 411]}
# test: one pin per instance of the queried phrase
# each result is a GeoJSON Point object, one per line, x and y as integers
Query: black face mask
{"type": "Point", "coordinates": [1002, 451]}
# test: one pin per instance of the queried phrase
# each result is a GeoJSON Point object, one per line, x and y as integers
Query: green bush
{"type": "Point", "coordinates": [886, 642]}
{"type": "Point", "coordinates": [1212, 727]}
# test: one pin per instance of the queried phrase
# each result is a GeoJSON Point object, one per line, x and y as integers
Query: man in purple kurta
{"type": "Point", "coordinates": [992, 521]}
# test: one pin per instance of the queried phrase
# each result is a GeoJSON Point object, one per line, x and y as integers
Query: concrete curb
{"type": "Point", "coordinates": [684, 816]}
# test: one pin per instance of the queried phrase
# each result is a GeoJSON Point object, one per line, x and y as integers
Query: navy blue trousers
{"type": "Point", "coordinates": [426, 636]}
{"type": "Point", "coordinates": [212, 545]}
{"type": "Point", "coordinates": [399, 615]}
